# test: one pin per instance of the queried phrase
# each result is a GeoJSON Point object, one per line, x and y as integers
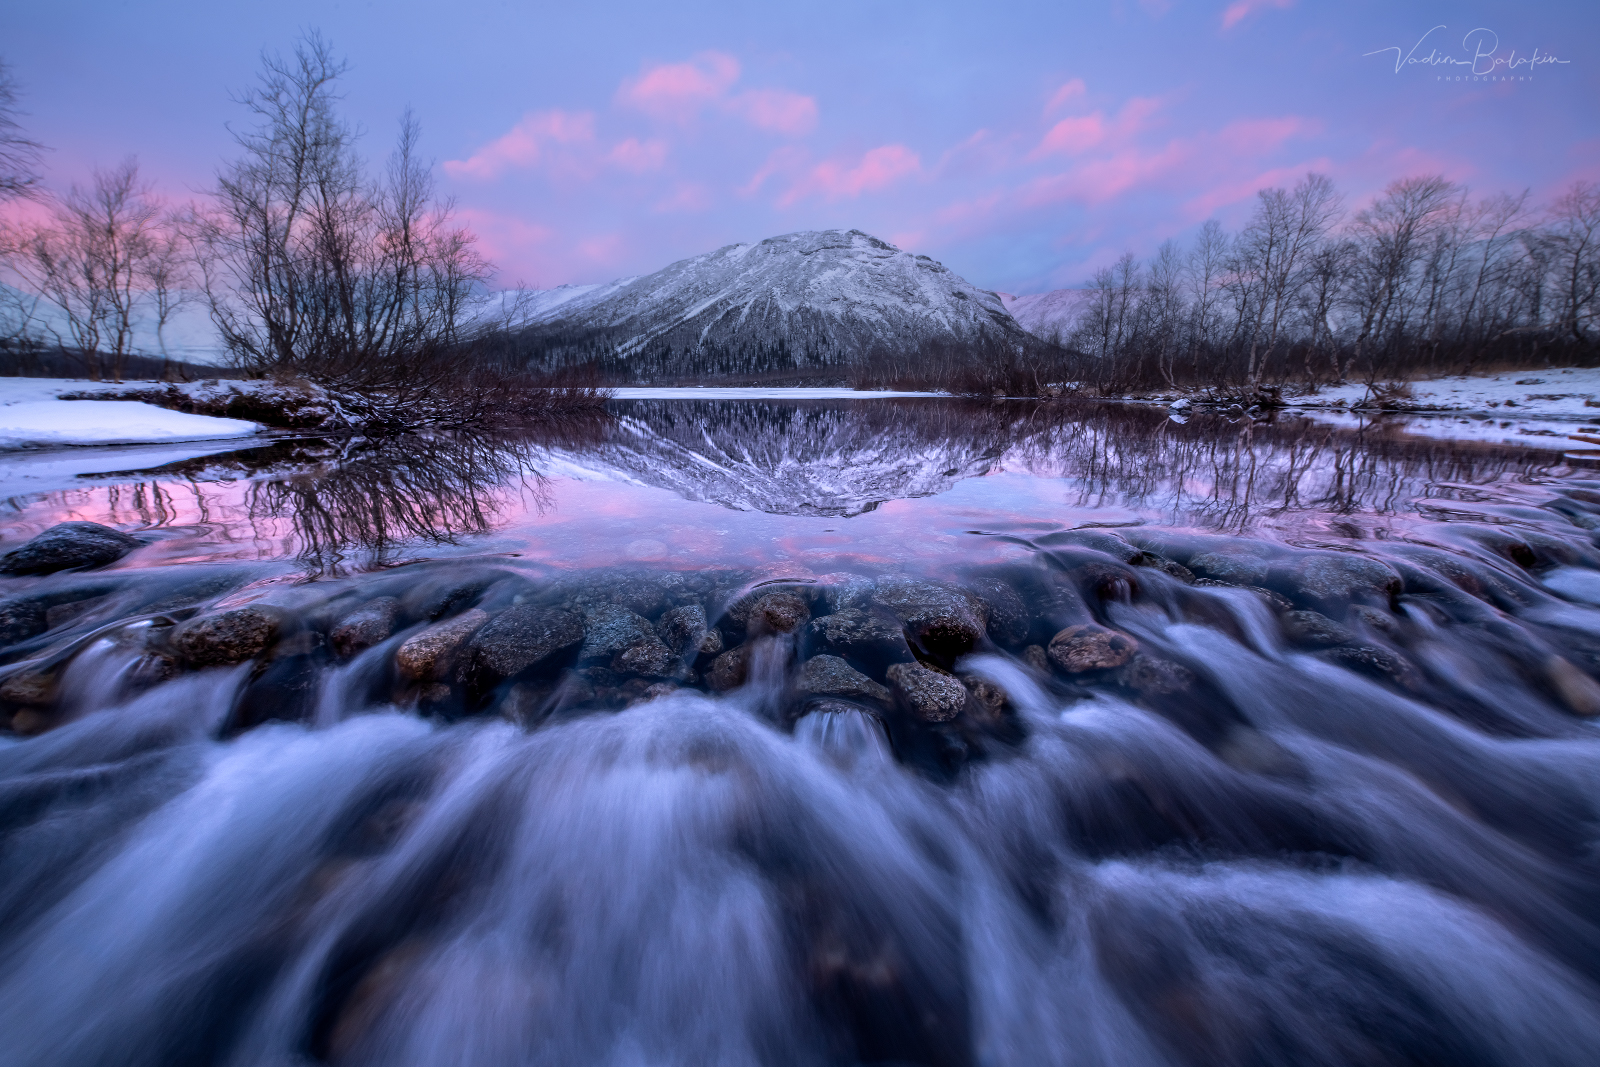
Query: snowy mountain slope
{"type": "Point", "coordinates": [840, 290]}
{"type": "Point", "coordinates": [1049, 315]}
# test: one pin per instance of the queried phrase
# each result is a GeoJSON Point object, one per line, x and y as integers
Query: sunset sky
{"type": "Point", "coordinates": [1023, 145]}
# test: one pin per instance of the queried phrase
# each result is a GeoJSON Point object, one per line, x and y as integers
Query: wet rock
{"type": "Point", "coordinates": [1276, 601]}
{"type": "Point", "coordinates": [522, 637]}
{"type": "Point", "coordinates": [431, 655]}
{"type": "Point", "coordinates": [1376, 662]}
{"type": "Point", "coordinates": [285, 691]}
{"type": "Point", "coordinates": [1165, 566]}
{"type": "Point", "coordinates": [1151, 676]}
{"type": "Point", "coordinates": [1008, 619]}
{"type": "Point", "coordinates": [1105, 581]}
{"type": "Point", "coordinates": [61, 614]}
{"type": "Point", "coordinates": [946, 622]}
{"type": "Point", "coordinates": [1036, 657]}
{"type": "Point", "coordinates": [1579, 692]}
{"type": "Point", "coordinates": [436, 596]}
{"type": "Point", "coordinates": [369, 625]}
{"type": "Point", "coordinates": [1373, 618]}
{"type": "Point", "coordinates": [30, 688]}
{"type": "Point", "coordinates": [650, 658]}
{"type": "Point", "coordinates": [932, 696]}
{"type": "Point", "coordinates": [226, 636]}
{"type": "Point", "coordinates": [609, 629]}
{"type": "Point", "coordinates": [686, 631]}
{"type": "Point", "coordinates": [777, 613]}
{"type": "Point", "coordinates": [1095, 540]}
{"type": "Point", "coordinates": [640, 595]}
{"type": "Point", "coordinates": [1230, 568]}
{"type": "Point", "coordinates": [153, 668]}
{"type": "Point", "coordinates": [1312, 629]}
{"type": "Point", "coordinates": [21, 618]}
{"type": "Point", "coordinates": [990, 698]}
{"type": "Point", "coordinates": [728, 671]}
{"type": "Point", "coordinates": [657, 691]}
{"type": "Point", "coordinates": [832, 676]}
{"type": "Point", "coordinates": [1247, 749]}
{"type": "Point", "coordinates": [860, 636]}
{"type": "Point", "coordinates": [69, 546]}
{"type": "Point", "coordinates": [30, 722]}
{"type": "Point", "coordinates": [843, 591]}
{"type": "Point", "coordinates": [1091, 648]}
{"type": "Point", "coordinates": [1333, 580]}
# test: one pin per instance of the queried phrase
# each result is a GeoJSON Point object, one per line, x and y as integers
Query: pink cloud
{"type": "Point", "coordinates": [524, 144]}
{"type": "Point", "coordinates": [777, 110]}
{"type": "Point", "coordinates": [1259, 136]}
{"type": "Point", "coordinates": [784, 160]}
{"type": "Point", "coordinates": [1067, 93]}
{"type": "Point", "coordinates": [1240, 10]}
{"type": "Point", "coordinates": [1233, 192]}
{"type": "Point", "coordinates": [638, 156]}
{"type": "Point", "coordinates": [877, 170]}
{"type": "Point", "coordinates": [1079, 133]}
{"type": "Point", "coordinates": [605, 249]}
{"type": "Point", "coordinates": [687, 198]}
{"type": "Point", "coordinates": [1100, 180]}
{"type": "Point", "coordinates": [677, 91]}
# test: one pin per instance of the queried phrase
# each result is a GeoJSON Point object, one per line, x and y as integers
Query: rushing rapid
{"type": "Point", "coordinates": [1159, 794]}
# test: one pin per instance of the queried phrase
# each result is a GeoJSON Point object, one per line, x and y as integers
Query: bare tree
{"type": "Point", "coordinates": [19, 156]}
{"type": "Point", "coordinates": [1574, 241]}
{"type": "Point", "coordinates": [90, 262]}
{"type": "Point", "coordinates": [311, 269]}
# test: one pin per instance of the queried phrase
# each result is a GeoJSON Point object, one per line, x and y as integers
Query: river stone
{"type": "Point", "coordinates": [521, 637]}
{"type": "Point", "coordinates": [990, 697]}
{"type": "Point", "coordinates": [1036, 657]}
{"type": "Point", "coordinates": [841, 591]}
{"type": "Point", "coordinates": [32, 688]}
{"type": "Point", "coordinates": [728, 670]}
{"type": "Point", "coordinates": [69, 545]}
{"type": "Point", "coordinates": [1230, 568]}
{"type": "Point", "coordinates": [368, 625]}
{"type": "Point", "coordinates": [781, 613]}
{"type": "Point", "coordinates": [650, 658]}
{"type": "Point", "coordinates": [226, 636]}
{"type": "Point", "coordinates": [1094, 540]}
{"type": "Point", "coordinates": [832, 676]}
{"type": "Point", "coordinates": [856, 634]}
{"type": "Point", "coordinates": [1149, 676]}
{"type": "Point", "coordinates": [947, 622]}
{"type": "Point", "coordinates": [1312, 629]}
{"type": "Point", "coordinates": [21, 618]}
{"type": "Point", "coordinates": [1333, 580]}
{"type": "Point", "coordinates": [1579, 692]}
{"type": "Point", "coordinates": [685, 630]}
{"type": "Point", "coordinates": [1378, 662]}
{"type": "Point", "coordinates": [1008, 620]}
{"type": "Point", "coordinates": [932, 696]}
{"type": "Point", "coordinates": [430, 655]}
{"type": "Point", "coordinates": [609, 629]}
{"type": "Point", "coordinates": [1091, 648]}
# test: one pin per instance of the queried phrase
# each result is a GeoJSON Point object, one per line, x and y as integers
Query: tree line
{"type": "Point", "coordinates": [1426, 280]}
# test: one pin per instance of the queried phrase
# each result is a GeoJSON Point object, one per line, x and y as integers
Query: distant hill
{"type": "Point", "coordinates": [1049, 316]}
{"type": "Point", "coordinates": [818, 298]}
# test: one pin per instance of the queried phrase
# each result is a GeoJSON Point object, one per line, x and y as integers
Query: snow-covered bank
{"type": "Point", "coordinates": [1560, 392]}
{"type": "Point", "coordinates": [32, 415]}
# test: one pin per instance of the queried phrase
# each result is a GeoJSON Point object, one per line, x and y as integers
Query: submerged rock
{"type": "Point", "coordinates": [21, 618]}
{"type": "Point", "coordinates": [370, 624]}
{"type": "Point", "coordinates": [226, 637]}
{"type": "Point", "coordinates": [686, 631]}
{"type": "Point", "coordinates": [946, 622]}
{"type": "Point", "coordinates": [1312, 629]}
{"type": "Point", "coordinates": [431, 655]}
{"type": "Point", "coordinates": [728, 670]}
{"type": "Point", "coordinates": [609, 629]}
{"type": "Point", "coordinates": [1091, 648]}
{"type": "Point", "coordinates": [650, 658]}
{"type": "Point", "coordinates": [778, 613]}
{"type": "Point", "coordinates": [932, 696]}
{"type": "Point", "coordinates": [521, 637]}
{"type": "Point", "coordinates": [832, 676]}
{"type": "Point", "coordinates": [1333, 580]}
{"type": "Point", "coordinates": [858, 635]}
{"type": "Point", "coordinates": [69, 546]}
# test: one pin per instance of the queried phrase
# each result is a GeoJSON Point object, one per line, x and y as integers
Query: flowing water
{"type": "Point", "coordinates": [1270, 743]}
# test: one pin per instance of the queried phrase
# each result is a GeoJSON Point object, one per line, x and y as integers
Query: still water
{"type": "Point", "coordinates": [826, 732]}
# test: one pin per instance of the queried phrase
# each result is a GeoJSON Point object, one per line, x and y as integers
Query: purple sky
{"type": "Point", "coordinates": [1022, 145]}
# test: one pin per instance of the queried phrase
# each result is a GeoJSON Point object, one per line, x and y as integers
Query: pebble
{"type": "Point", "coordinates": [1091, 648]}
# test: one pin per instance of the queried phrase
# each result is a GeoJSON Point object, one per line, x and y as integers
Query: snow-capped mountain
{"type": "Point", "coordinates": [838, 291]}
{"type": "Point", "coordinates": [1050, 316]}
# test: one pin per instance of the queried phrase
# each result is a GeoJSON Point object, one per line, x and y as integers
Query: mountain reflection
{"type": "Point", "coordinates": [327, 501]}
{"type": "Point", "coordinates": [827, 458]}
